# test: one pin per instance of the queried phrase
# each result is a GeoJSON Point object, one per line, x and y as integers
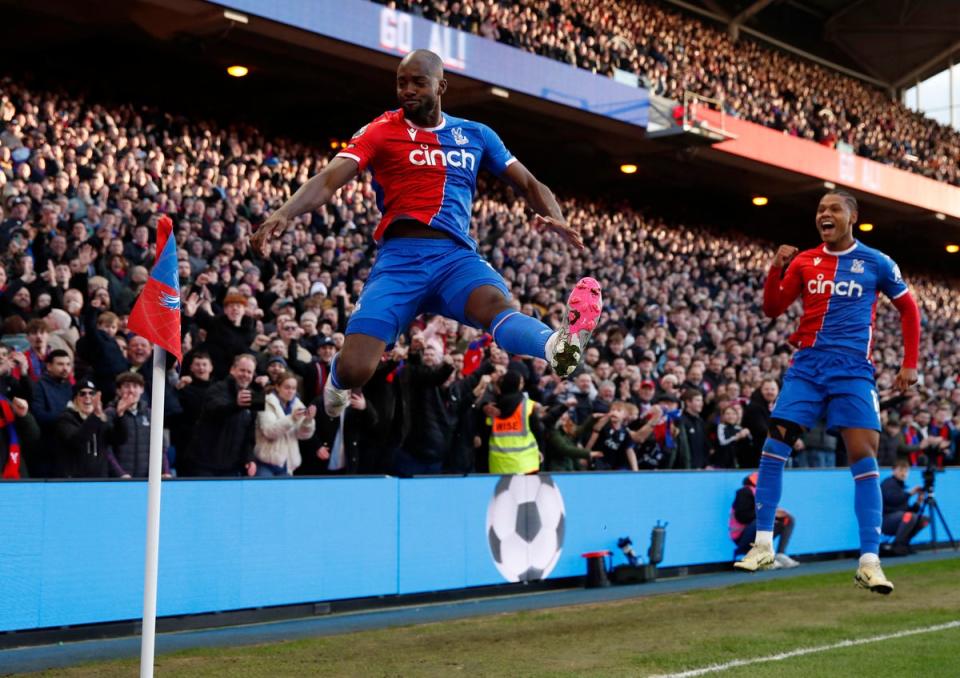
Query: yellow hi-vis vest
{"type": "Point", "coordinates": [513, 449]}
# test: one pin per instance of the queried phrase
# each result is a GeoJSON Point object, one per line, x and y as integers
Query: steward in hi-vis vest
{"type": "Point", "coordinates": [514, 432]}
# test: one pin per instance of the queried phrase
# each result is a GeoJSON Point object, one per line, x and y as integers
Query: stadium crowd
{"type": "Point", "coordinates": [682, 372]}
{"type": "Point", "coordinates": [673, 53]}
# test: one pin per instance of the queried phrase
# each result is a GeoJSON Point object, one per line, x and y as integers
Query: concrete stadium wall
{"type": "Point", "coordinates": [73, 552]}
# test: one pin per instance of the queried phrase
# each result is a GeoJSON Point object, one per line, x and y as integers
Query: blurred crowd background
{"type": "Point", "coordinates": [673, 53]}
{"type": "Point", "coordinates": [682, 373]}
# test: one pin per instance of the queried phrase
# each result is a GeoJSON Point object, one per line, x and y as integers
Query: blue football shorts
{"type": "Point", "coordinates": [837, 385]}
{"type": "Point", "coordinates": [419, 275]}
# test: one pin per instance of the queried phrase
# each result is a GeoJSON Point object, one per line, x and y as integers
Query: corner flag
{"type": "Point", "coordinates": [156, 315]}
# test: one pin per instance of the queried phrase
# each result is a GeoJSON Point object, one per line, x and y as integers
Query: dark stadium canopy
{"type": "Point", "coordinates": [894, 42]}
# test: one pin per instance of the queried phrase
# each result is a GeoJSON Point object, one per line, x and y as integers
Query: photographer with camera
{"type": "Point", "coordinates": [901, 520]}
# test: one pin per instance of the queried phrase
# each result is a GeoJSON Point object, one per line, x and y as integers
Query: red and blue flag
{"type": "Point", "coordinates": [156, 315]}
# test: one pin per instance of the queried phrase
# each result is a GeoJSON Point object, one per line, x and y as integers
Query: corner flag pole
{"type": "Point", "coordinates": [151, 561]}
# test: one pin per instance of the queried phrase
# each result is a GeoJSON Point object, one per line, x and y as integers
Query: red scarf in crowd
{"type": "Point", "coordinates": [11, 470]}
{"type": "Point", "coordinates": [474, 355]}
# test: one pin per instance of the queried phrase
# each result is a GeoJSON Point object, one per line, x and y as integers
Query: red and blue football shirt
{"type": "Point", "coordinates": [427, 174]}
{"type": "Point", "coordinates": [839, 291]}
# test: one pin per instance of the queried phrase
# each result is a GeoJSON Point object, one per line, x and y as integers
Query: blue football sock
{"type": "Point", "coordinates": [868, 503]}
{"type": "Point", "coordinates": [333, 373]}
{"type": "Point", "coordinates": [518, 333]}
{"type": "Point", "coordinates": [770, 482]}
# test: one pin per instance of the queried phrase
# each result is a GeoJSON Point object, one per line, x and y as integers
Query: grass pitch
{"type": "Point", "coordinates": [644, 636]}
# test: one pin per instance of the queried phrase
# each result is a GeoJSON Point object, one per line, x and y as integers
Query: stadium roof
{"type": "Point", "coordinates": [892, 42]}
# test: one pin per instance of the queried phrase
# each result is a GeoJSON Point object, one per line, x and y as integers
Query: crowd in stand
{"type": "Point", "coordinates": [673, 53]}
{"type": "Point", "coordinates": [682, 372]}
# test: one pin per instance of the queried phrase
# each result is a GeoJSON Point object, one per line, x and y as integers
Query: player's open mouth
{"type": "Point", "coordinates": [827, 226]}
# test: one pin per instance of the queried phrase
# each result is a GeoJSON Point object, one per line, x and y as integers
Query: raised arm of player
{"type": "Point", "coordinates": [543, 202]}
{"type": "Point", "coordinates": [317, 191]}
{"type": "Point", "coordinates": [779, 293]}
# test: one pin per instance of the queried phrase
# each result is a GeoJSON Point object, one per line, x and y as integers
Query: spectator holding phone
{"type": "Point", "coordinates": [224, 438]}
{"type": "Point", "coordinates": [284, 421]}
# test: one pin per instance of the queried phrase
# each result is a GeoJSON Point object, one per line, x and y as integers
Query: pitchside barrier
{"type": "Point", "coordinates": [72, 552]}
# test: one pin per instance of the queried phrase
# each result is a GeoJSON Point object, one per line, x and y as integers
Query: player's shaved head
{"type": "Point", "coordinates": [423, 61]}
{"type": "Point", "coordinates": [420, 84]}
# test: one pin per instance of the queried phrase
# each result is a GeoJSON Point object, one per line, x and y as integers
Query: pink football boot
{"type": "Point", "coordinates": [565, 347]}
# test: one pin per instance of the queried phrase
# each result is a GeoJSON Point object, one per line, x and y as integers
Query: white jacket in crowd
{"type": "Point", "coordinates": [278, 433]}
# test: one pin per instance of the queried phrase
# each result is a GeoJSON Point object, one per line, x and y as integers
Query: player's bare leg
{"type": "Point", "coordinates": [485, 303]}
{"type": "Point", "coordinates": [862, 444]}
{"type": "Point", "coordinates": [351, 368]}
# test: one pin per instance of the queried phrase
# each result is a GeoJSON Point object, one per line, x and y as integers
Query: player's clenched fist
{"type": "Point", "coordinates": [784, 254]}
{"type": "Point", "coordinates": [273, 227]}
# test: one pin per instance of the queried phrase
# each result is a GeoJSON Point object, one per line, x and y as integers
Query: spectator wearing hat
{"type": "Point", "coordinates": [128, 430]}
{"type": "Point", "coordinates": [81, 449]}
{"type": "Point", "coordinates": [17, 300]}
{"type": "Point", "coordinates": [228, 335]}
{"type": "Point", "coordinates": [326, 350]}
{"type": "Point", "coordinates": [642, 393]}
{"type": "Point", "coordinates": [50, 398]}
{"type": "Point", "coordinates": [224, 436]}
{"type": "Point", "coordinates": [655, 434]}
{"type": "Point", "coordinates": [275, 349]}
{"type": "Point", "coordinates": [284, 421]}
{"type": "Point", "coordinates": [742, 524]}
{"type": "Point", "coordinates": [276, 366]}
{"type": "Point", "coordinates": [670, 385]}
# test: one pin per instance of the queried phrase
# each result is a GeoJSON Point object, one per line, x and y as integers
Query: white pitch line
{"type": "Point", "coordinates": [714, 668]}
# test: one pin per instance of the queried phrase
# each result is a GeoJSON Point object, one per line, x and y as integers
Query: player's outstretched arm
{"type": "Point", "coordinates": [543, 202]}
{"type": "Point", "coordinates": [317, 191]}
{"type": "Point", "coordinates": [910, 325]}
{"type": "Point", "coordinates": [779, 293]}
